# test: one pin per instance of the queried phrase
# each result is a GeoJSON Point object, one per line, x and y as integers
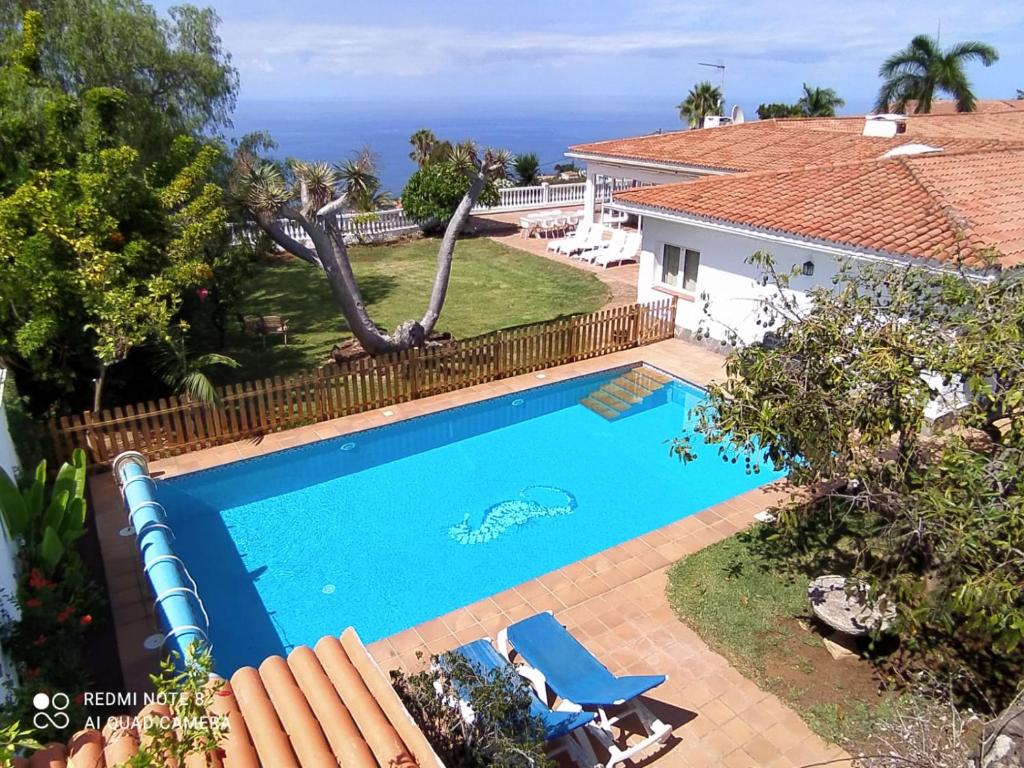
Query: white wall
{"type": "Point", "coordinates": [640, 174]}
{"type": "Point", "coordinates": [9, 462]}
{"type": "Point", "coordinates": [734, 287]}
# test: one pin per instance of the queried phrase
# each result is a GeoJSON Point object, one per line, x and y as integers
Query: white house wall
{"type": "Point", "coordinates": [733, 286]}
{"type": "Point", "coordinates": [639, 174]}
{"type": "Point", "coordinates": [8, 581]}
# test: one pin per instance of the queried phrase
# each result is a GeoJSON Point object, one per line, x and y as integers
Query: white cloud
{"type": "Point", "coordinates": [829, 33]}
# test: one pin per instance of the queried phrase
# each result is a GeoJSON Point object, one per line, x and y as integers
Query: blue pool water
{"type": "Point", "coordinates": [389, 527]}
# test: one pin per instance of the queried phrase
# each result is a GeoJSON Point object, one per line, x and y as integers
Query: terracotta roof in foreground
{"type": "Point", "coordinates": [779, 144]}
{"type": "Point", "coordinates": [930, 206]}
{"type": "Point", "coordinates": [325, 706]}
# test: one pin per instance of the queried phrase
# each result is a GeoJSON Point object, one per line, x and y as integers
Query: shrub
{"type": "Point", "coordinates": [434, 192]}
{"type": "Point", "coordinates": [839, 402]}
{"type": "Point", "coordinates": [503, 732]}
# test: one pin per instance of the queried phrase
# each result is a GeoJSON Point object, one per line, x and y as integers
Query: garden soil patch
{"type": "Point", "coordinates": [802, 670]}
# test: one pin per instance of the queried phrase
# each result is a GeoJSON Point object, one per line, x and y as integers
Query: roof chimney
{"type": "Point", "coordinates": [885, 126]}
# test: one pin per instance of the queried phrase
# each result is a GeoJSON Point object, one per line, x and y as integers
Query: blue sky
{"type": "Point", "coordinates": [410, 51]}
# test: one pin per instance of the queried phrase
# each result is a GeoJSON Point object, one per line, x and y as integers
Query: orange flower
{"type": "Point", "coordinates": [33, 602]}
{"type": "Point", "coordinates": [86, 620]}
{"type": "Point", "coordinates": [65, 614]}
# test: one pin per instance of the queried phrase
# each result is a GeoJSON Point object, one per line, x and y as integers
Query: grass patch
{"type": "Point", "coordinates": [751, 609]}
{"type": "Point", "coordinates": [492, 286]}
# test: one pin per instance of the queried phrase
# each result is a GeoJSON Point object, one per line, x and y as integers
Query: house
{"type": "Point", "coordinates": [928, 189]}
{"type": "Point", "coordinates": [930, 208]}
{"type": "Point", "coordinates": [782, 144]}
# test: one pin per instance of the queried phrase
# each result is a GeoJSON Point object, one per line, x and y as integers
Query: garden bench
{"type": "Point", "coordinates": [264, 325]}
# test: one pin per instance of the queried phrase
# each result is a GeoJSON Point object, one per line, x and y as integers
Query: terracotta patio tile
{"type": "Point", "coordinates": [717, 712]}
{"type": "Point", "coordinates": [510, 598]}
{"type": "Point", "coordinates": [432, 630]}
{"type": "Point", "coordinates": [760, 749]}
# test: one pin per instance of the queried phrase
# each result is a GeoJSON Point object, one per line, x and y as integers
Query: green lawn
{"type": "Point", "coordinates": [492, 286]}
{"type": "Point", "coordinates": [754, 611]}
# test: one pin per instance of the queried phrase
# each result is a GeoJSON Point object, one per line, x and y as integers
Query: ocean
{"type": "Point", "coordinates": [333, 130]}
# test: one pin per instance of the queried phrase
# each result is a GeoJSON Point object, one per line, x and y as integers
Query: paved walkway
{"type": "Point", "coordinates": [504, 228]}
{"type": "Point", "coordinates": [614, 601]}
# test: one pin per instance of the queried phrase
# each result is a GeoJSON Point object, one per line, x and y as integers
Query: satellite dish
{"type": "Point", "coordinates": [737, 114]}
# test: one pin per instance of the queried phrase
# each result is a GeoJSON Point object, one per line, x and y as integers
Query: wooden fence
{"type": "Point", "coordinates": [171, 426]}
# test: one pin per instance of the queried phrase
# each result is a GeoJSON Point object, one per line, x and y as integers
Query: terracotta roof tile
{"type": "Point", "coordinates": [779, 144]}
{"type": "Point", "coordinates": [948, 106]}
{"type": "Point", "coordinates": [932, 206]}
{"type": "Point", "coordinates": [328, 707]}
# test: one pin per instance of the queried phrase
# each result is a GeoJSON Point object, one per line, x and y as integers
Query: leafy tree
{"type": "Point", "coordinates": [933, 520]}
{"type": "Point", "coordinates": [503, 733]}
{"type": "Point", "coordinates": [81, 292]}
{"type": "Point", "coordinates": [703, 99]}
{"type": "Point", "coordinates": [819, 102]}
{"type": "Point", "coordinates": [923, 67]}
{"type": "Point", "coordinates": [304, 193]}
{"type": "Point", "coordinates": [527, 168]}
{"type": "Point", "coordinates": [176, 77]}
{"type": "Point", "coordinates": [1020, 93]}
{"type": "Point", "coordinates": [768, 111]}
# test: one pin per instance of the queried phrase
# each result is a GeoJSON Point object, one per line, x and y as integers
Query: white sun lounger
{"type": "Point", "coordinates": [573, 242]}
{"type": "Point", "coordinates": [612, 245]}
{"type": "Point", "coordinates": [628, 251]}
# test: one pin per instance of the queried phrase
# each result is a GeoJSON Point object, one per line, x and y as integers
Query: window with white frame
{"type": "Point", "coordinates": [679, 267]}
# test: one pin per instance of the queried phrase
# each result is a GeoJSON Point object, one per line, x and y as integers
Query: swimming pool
{"type": "Point", "coordinates": [389, 527]}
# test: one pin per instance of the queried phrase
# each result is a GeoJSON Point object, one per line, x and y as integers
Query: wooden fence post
{"type": "Point", "coordinates": [499, 354]}
{"type": "Point", "coordinates": [413, 372]}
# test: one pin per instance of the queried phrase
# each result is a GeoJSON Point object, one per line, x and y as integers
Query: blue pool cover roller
{"type": "Point", "coordinates": [178, 605]}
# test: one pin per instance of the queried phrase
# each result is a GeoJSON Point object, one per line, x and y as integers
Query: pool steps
{"type": "Point", "coordinates": [614, 398]}
{"type": "Point", "coordinates": [177, 603]}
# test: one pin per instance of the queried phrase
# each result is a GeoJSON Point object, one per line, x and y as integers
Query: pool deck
{"type": "Point", "coordinates": [614, 601]}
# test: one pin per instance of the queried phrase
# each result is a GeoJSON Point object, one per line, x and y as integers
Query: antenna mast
{"type": "Point", "coordinates": [721, 71]}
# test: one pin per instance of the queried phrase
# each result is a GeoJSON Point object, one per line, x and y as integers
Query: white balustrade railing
{"type": "Point", "coordinates": [370, 226]}
{"type": "Point", "coordinates": [381, 224]}
{"type": "Point", "coordinates": [546, 195]}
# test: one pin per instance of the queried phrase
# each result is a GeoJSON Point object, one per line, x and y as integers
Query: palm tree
{"type": "Point", "coordinates": [819, 102]}
{"type": "Point", "coordinates": [527, 168]}
{"type": "Point", "coordinates": [703, 99]}
{"type": "Point", "coordinates": [923, 67]}
{"type": "Point", "coordinates": [423, 143]}
{"type": "Point", "coordinates": [360, 183]}
{"type": "Point", "coordinates": [187, 375]}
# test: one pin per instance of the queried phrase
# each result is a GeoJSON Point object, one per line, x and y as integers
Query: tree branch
{"type": "Point", "coordinates": [276, 232]}
{"type": "Point", "coordinates": [446, 250]}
